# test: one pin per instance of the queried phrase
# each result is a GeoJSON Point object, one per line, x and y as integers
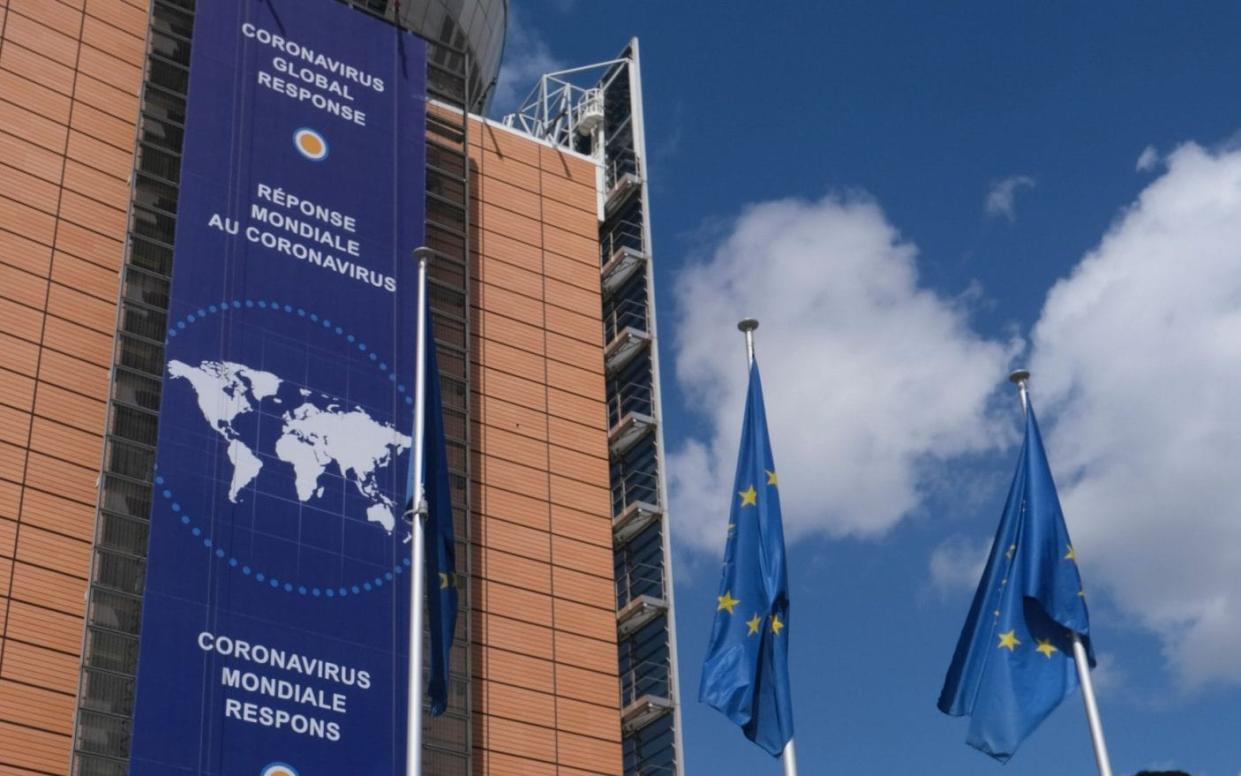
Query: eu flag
{"type": "Point", "coordinates": [441, 577]}
{"type": "Point", "coordinates": [1014, 661]}
{"type": "Point", "coordinates": [746, 674]}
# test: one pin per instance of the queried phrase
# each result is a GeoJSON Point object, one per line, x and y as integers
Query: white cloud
{"type": "Point", "coordinates": [1138, 356]}
{"type": "Point", "coordinates": [957, 563]}
{"type": "Point", "coordinates": [1002, 196]}
{"type": "Point", "coordinates": [1108, 675]}
{"type": "Point", "coordinates": [1148, 159]}
{"type": "Point", "coordinates": [871, 380]}
{"type": "Point", "coordinates": [527, 57]}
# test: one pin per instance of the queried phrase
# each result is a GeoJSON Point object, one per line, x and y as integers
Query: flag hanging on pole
{"type": "Point", "coordinates": [745, 675]}
{"type": "Point", "coordinates": [440, 548]}
{"type": "Point", "coordinates": [1014, 661]}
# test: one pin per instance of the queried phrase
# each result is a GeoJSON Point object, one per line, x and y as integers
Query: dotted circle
{"type": "Point", "coordinates": [365, 586]}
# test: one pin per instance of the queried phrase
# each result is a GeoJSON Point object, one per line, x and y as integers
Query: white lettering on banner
{"type": "Point", "coordinates": [309, 231]}
{"type": "Point", "coordinates": [280, 719]}
{"type": "Point", "coordinates": [318, 80]}
{"type": "Point", "coordinates": [296, 50]}
{"type": "Point", "coordinates": [323, 238]}
{"type": "Point", "coordinates": [303, 94]}
{"type": "Point", "coordinates": [284, 199]}
{"type": "Point", "coordinates": [281, 690]}
{"type": "Point", "coordinates": [312, 77]}
{"type": "Point", "coordinates": [278, 658]}
{"type": "Point", "coordinates": [318, 258]}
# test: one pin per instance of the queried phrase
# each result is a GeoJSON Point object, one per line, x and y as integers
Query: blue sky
{"type": "Point", "coordinates": [915, 198]}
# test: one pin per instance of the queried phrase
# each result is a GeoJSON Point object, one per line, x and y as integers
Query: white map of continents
{"type": "Point", "coordinates": [312, 438]}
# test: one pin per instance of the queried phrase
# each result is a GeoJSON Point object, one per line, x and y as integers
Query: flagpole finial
{"type": "Point", "coordinates": [747, 326]}
{"type": "Point", "coordinates": [423, 254]}
{"type": "Point", "coordinates": [1019, 378]}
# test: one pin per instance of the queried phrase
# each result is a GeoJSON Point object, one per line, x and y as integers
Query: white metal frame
{"type": "Point", "coordinates": [552, 110]}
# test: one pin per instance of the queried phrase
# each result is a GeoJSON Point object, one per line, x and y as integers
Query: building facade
{"type": "Point", "coordinates": [597, 110]}
{"type": "Point", "coordinates": [565, 657]}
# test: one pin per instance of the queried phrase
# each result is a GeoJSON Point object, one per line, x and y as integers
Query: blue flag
{"type": "Point", "coordinates": [441, 550]}
{"type": "Point", "coordinates": [746, 675]}
{"type": "Point", "coordinates": [1014, 662]}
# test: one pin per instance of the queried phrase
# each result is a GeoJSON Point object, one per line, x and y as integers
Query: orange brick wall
{"type": "Point", "coordinates": [546, 695]}
{"type": "Point", "coordinates": [70, 73]}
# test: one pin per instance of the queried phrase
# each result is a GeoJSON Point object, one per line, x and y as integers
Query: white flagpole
{"type": "Point", "coordinates": [1019, 378]}
{"type": "Point", "coordinates": [413, 732]}
{"type": "Point", "coordinates": [747, 327]}
{"type": "Point", "coordinates": [790, 759]}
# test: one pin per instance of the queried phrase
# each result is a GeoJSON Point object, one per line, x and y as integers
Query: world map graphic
{"type": "Point", "coordinates": [318, 432]}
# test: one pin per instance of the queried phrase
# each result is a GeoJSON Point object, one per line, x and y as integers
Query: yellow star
{"type": "Point", "coordinates": [1046, 647]}
{"type": "Point", "coordinates": [749, 497]}
{"type": "Point", "coordinates": [1012, 549]}
{"type": "Point", "coordinates": [1071, 555]}
{"type": "Point", "coordinates": [726, 602]}
{"type": "Point", "coordinates": [776, 625]}
{"type": "Point", "coordinates": [753, 624]}
{"type": "Point", "coordinates": [1009, 640]}
{"type": "Point", "coordinates": [772, 479]}
{"type": "Point", "coordinates": [443, 580]}
{"type": "Point", "coordinates": [1081, 593]}
{"type": "Point", "coordinates": [732, 527]}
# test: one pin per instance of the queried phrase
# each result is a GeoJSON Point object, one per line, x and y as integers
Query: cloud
{"type": "Point", "coordinates": [527, 57]}
{"type": "Point", "coordinates": [957, 563]}
{"type": "Point", "coordinates": [1002, 196]}
{"type": "Point", "coordinates": [1137, 355]}
{"type": "Point", "coordinates": [872, 381]}
{"type": "Point", "coordinates": [1148, 160]}
{"type": "Point", "coordinates": [1109, 675]}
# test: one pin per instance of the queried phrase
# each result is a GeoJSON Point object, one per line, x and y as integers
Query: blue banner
{"type": "Point", "coordinates": [275, 619]}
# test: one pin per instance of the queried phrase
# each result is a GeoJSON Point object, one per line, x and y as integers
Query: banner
{"type": "Point", "coordinates": [275, 619]}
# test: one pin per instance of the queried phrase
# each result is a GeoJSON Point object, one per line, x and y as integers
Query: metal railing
{"type": "Point", "coordinates": [624, 234]}
{"type": "Point", "coordinates": [638, 580]}
{"type": "Point", "coordinates": [634, 487]}
{"type": "Point", "coordinates": [618, 165]}
{"type": "Point", "coordinates": [647, 678]}
{"type": "Point", "coordinates": [627, 313]}
{"type": "Point", "coordinates": [627, 398]}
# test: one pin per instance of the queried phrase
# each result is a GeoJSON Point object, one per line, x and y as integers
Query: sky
{"type": "Point", "coordinates": [915, 199]}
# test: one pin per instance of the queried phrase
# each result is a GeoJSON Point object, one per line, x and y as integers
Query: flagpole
{"type": "Point", "coordinates": [747, 327]}
{"type": "Point", "coordinates": [1019, 377]}
{"type": "Point", "coordinates": [413, 732]}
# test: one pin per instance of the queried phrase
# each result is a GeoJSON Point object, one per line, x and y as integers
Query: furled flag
{"type": "Point", "coordinates": [746, 675]}
{"type": "Point", "coordinates": [1014, 661]}
{"type": "Point", "coordinates": [441, 576]}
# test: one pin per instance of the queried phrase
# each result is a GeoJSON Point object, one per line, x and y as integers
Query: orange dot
{"type": "Point", "coordinates": [313, 146]}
